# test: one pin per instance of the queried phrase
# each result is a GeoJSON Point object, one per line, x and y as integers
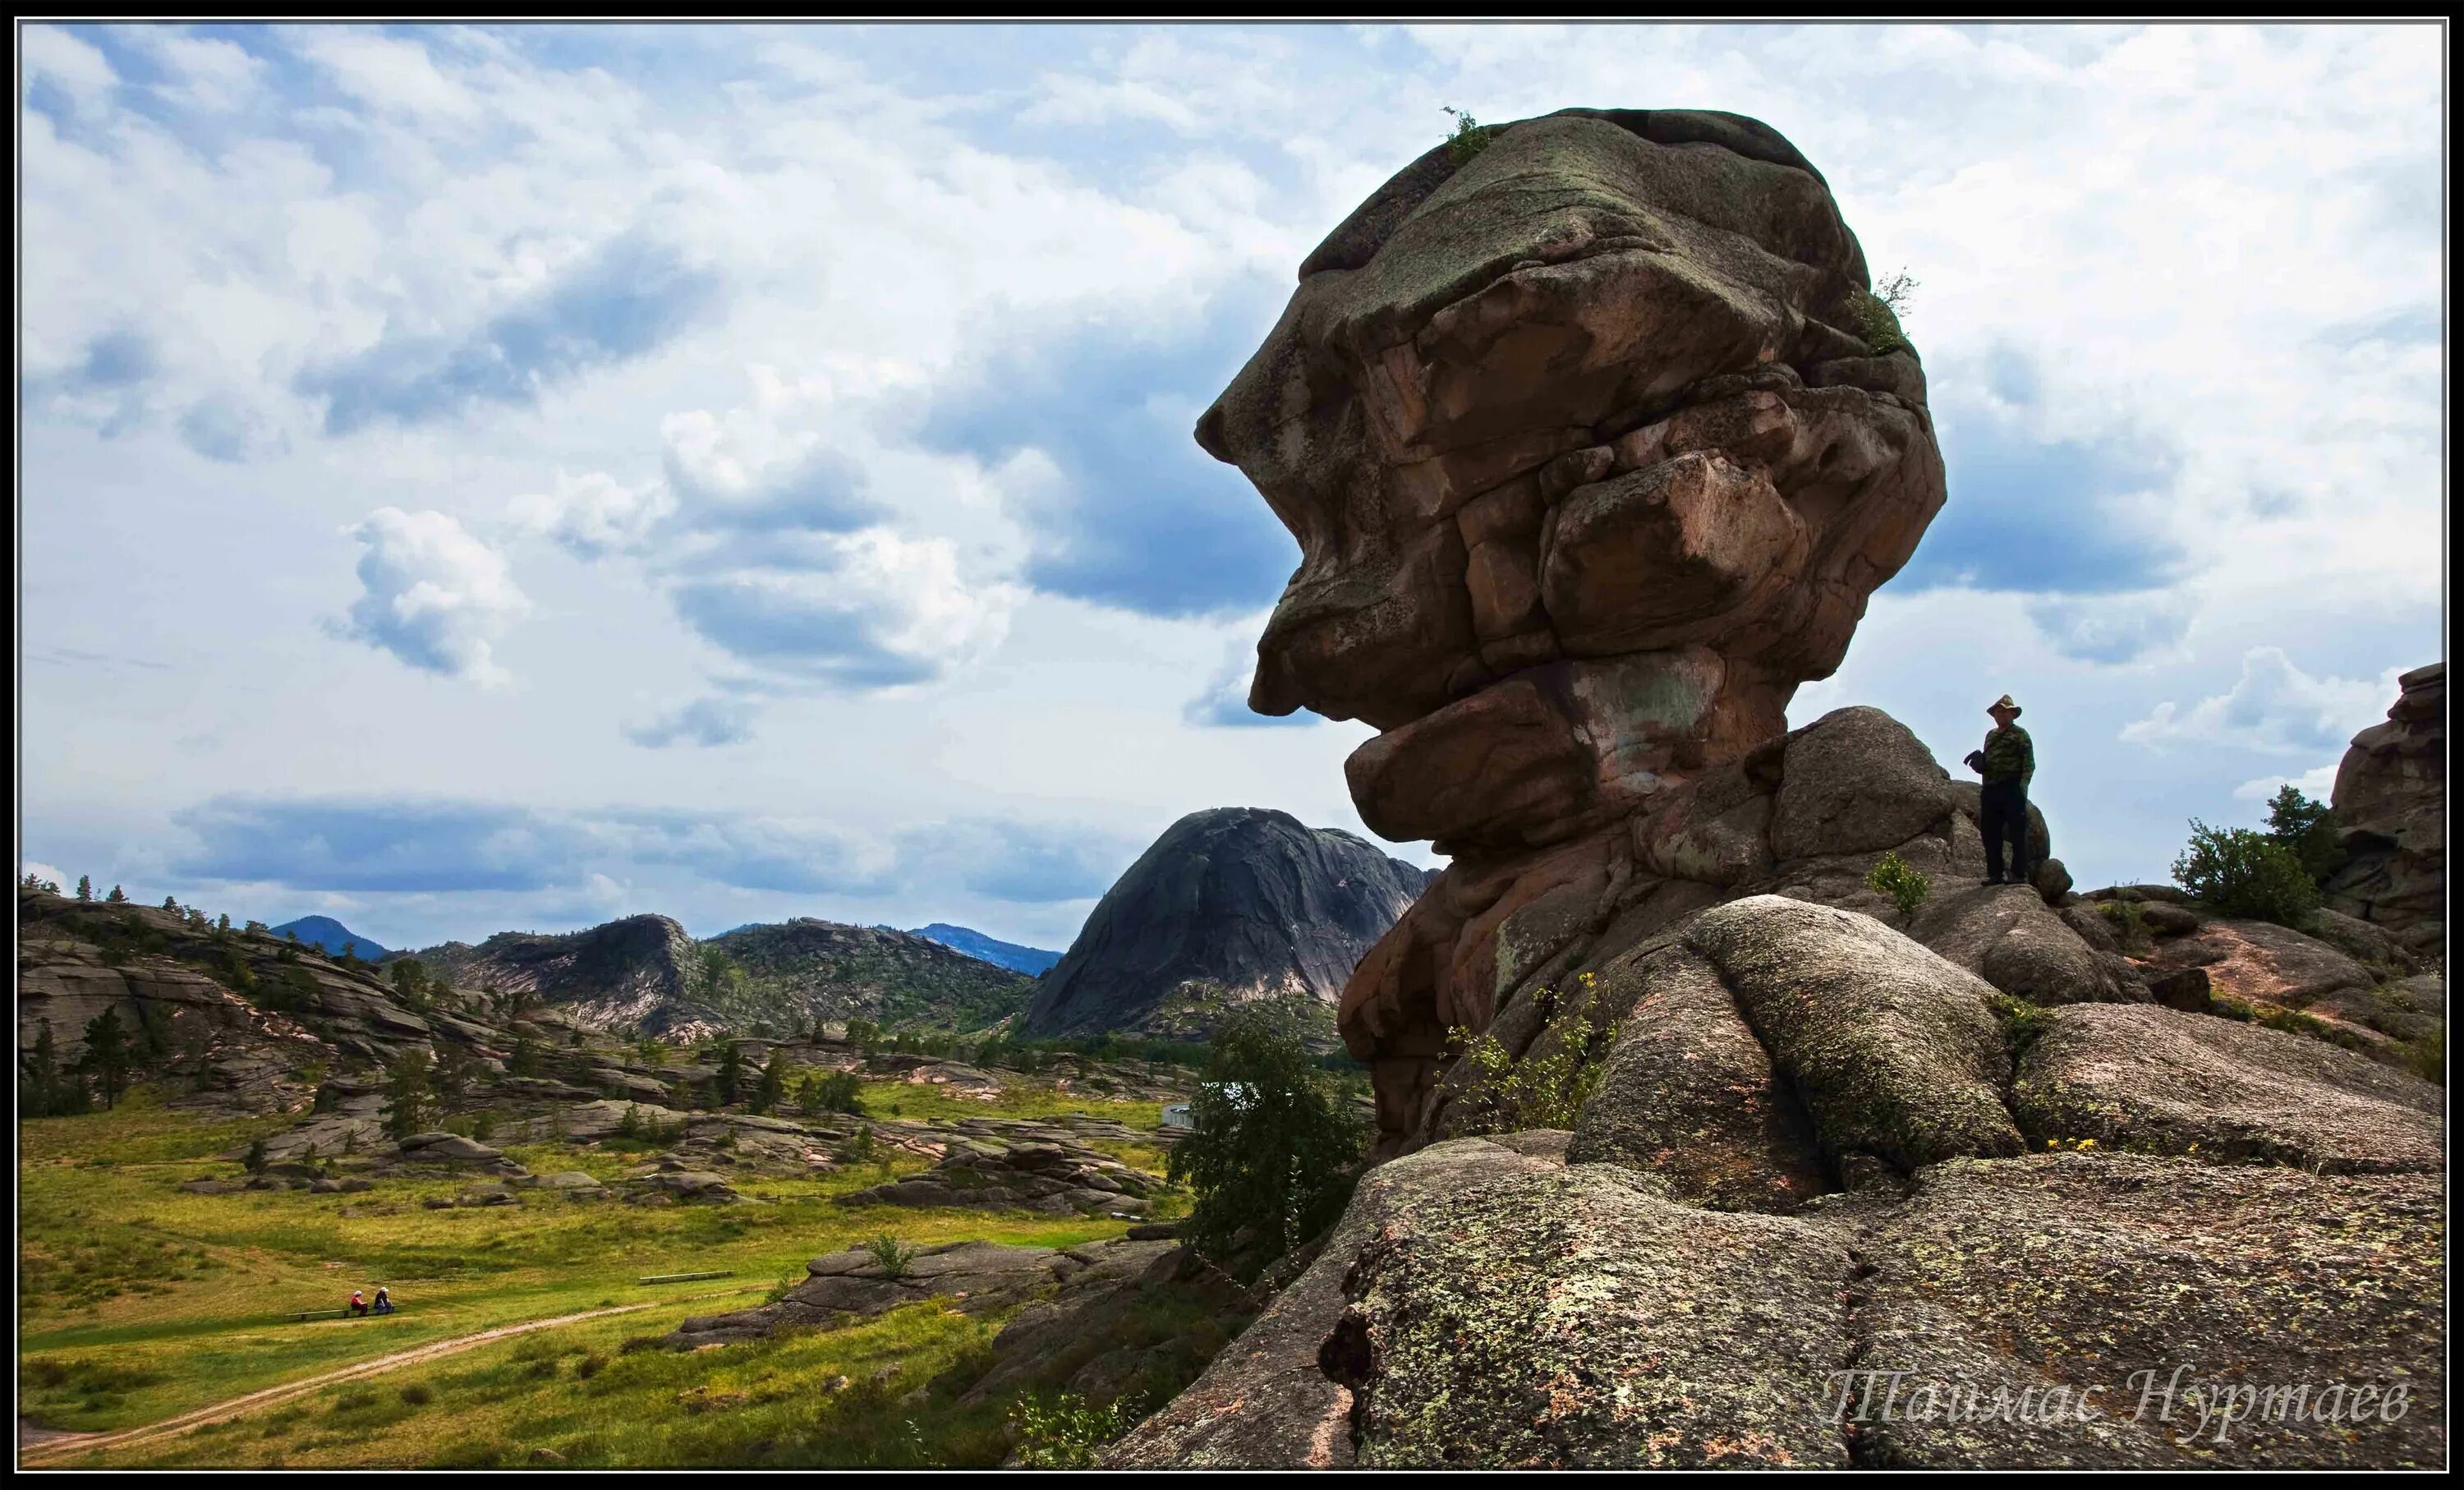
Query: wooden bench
{"type": "Point", "coordinates": [684, 1278]}
{"type": "Point", "coordinates": [305, 1315]}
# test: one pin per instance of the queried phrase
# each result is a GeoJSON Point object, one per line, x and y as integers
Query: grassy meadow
{"type": "Point", "coordinates": [138, 1302]}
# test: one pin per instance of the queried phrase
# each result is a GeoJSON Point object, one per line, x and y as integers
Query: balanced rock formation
{"type": "Point", "coordinates": [1230, 905]}
{"type": "Point", "coordinates": [2391, 804]}
{"type": "Point", "coordinates": [1591, 463]}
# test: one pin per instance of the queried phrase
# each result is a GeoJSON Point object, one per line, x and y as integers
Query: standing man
{"type": "Point", "coordinates": [2007, 762]}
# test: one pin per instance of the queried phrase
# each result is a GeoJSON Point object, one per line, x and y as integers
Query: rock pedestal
{"type": "Point", "coordinates": [1591, 461]}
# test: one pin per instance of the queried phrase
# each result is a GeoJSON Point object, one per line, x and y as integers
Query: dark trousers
{"type": "Point", "coordinates": [2005, 812]}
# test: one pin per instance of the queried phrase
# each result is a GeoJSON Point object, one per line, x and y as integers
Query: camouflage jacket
{"type": "Point", "coordinates": [2009, 754]}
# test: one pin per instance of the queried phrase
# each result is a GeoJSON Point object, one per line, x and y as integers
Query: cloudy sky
{"type": "Point", "coordinates": [484, 479]}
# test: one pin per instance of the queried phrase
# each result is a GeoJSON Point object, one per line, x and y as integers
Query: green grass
{"type": "Point", "coordinates": [1019, 1097]}
{"type": "Point", "coordinates": [139, 1301]}
{"type": "Point", "coordinates": [576, 1397]}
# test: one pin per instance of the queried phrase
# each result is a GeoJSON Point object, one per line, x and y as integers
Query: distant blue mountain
{"type": "Point", "coordinates": [332, 936]}
{"type": "Point", "coordinates": [1029, 960]}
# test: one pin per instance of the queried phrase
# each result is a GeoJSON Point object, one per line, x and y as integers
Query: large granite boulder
{"type": "Point", "coordinates": [2238, 1217]}
{"type": "Point", "coordinates": [2149, 1080]}
{"type": "Point", "coordinates": [2391, 806]}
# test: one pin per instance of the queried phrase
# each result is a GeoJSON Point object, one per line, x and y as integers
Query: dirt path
{"type": "Point", "coordinates": [36, 1445]}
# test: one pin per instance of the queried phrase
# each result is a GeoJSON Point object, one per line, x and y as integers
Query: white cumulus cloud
{"type": "Point", "coordinates": [2275, 705]}
{"type": "Point", "coordinates": [594, 515]}
{"type": "Point", "coordinates": [435, 596]}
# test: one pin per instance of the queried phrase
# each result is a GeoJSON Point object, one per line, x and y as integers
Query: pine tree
{"type": "Point", "coordinates": [729, 1080]}
{"type": "Point", "coordinates": [85, 887]}
{"type": "Point", "coordinates": [170, 903]}
{"type": "Point", "coordinates": [40, 1094]}
{"type": "Point", "coordinates": [254, 1161]}
{"type": "Point", "coordinates": [222, 923]}
{"type": "Point", "coordinates": [117, 897]}
{"type": "Point", "coordinates": [525, 1058]}
{"type": "Point", "coordinates": [773, 1089]}
{"type": "Point", "coordinates": [411, 1100]}
{"type": "Point", "coordinates": [107, 1055]}
{"type": "Point", "coordinates": [454, 1068]}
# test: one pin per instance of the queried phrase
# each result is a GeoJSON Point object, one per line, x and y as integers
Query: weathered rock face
{"type": "Point", "coordinates": [1230, 905]}
{"type": "Point", "coordinates": [2391, 803]}
{"type": "Point", "coordinates": [2238, 1215]}
{"type": "Point", "coordinates": [1805, 816]}
{"type": "Point", "coordinates": [1590, 466]}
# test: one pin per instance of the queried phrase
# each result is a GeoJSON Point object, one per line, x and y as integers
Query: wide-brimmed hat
{"type": "Point", "coordinates": [2003, 702]}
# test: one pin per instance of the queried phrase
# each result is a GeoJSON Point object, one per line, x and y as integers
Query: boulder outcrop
{"type": "Point", "coordinates": [2391, 806]}
{"type": "Point", "coordinates": [1047, 1178]}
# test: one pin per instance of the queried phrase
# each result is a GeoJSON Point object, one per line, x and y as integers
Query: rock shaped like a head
{"type": "Point", "coordinates": [1595, 442]}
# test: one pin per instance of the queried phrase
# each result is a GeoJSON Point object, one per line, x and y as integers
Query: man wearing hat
{"type": "Point", "coordinates": [2007, 762]}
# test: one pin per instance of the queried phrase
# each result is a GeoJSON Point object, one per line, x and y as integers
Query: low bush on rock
{"type": "Point", "coordinates": [1544, 1089]}
{"type": "Point", "coordinates": [1906, 884]}
{"type": "Point", "coordinates": [2249, 874]}
{"type": "Point", "coordinates": [1067, 1432]}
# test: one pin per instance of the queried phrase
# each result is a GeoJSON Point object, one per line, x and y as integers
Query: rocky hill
{"type": "Point", "coordinates": [626, 970]}
{"type": "Point", "coordinates": [645, 971]}
{"type": "Point", "coordinates": [1601, 443]}
{"type": "Point", "coordinates": [806, 970]}
{"type": "Point", "coordinates": [1230, 905]}
{"type": "Point", "coordinates": [327, 934]}
{"type": "Point", "coordinates": [1033, 961]}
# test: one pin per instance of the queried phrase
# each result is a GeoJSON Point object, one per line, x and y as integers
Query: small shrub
{"type": "Point", "coordinates": [2130, 924]}
{"type": "Point", "coordinates": [1504, 1095]}
{"type": "Point", "coordinates": [1874, 316]}
{"type": "Point", "coordinates": [785, 1285]}
{"type": "Point", "coordinates": [1906, 885]}
{"type": "Point", "coordinates": [638, 1344]}
{"type": "Point", "coordinates": [589, 1366]}
{"type": "Point", "coordinates": [1066, 1433]}
{"type": "Point", "coordinates": [891, 1255]}
{"type": "Point", "coordinates": [2022, 1023]}
{"type": "Point", "coordinates": [417, 1394]}
{"type": "Point", "coordinates": [2242, 873]}
{"type": "Point", "coordinates": [1470, 138]}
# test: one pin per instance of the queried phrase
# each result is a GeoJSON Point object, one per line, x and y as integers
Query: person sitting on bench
{"type": "Point", "coordinates": [384, 1301]}
{"type": "Point", "coordinates": [359, 1303]}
